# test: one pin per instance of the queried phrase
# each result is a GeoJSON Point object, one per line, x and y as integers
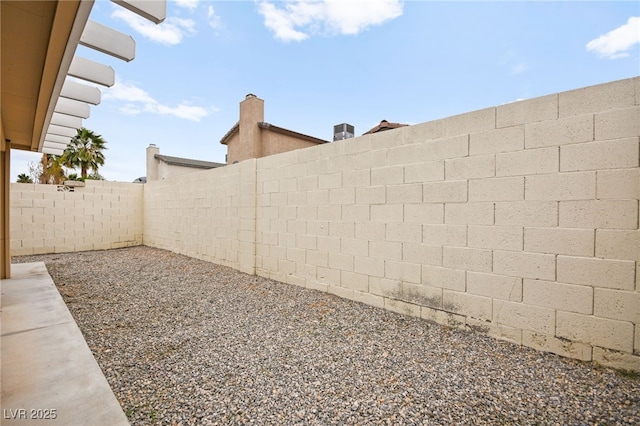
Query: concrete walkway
{"type": "Point", "coordinates": [49, 375]}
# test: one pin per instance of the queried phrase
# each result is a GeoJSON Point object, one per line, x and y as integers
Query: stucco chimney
{"type": "Point", "coordinates": [251, 113]}
{"type": "Point", "coordinates": [152, 162]}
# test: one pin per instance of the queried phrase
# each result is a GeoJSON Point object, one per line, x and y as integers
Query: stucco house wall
{"type": "Point", "coordinates": [277, 143]}
{"type": "Point", "coordinates": [236, 151]}
{"type": "Point", "coordinates": [252, 137]}
{"type": "Point", "coordinates": [160, 167]}
{"type": "Point", "coordinates": [166, 171]}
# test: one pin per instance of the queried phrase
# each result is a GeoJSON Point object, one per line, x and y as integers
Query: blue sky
{"type": "Point", "coordinates": [324, 62]}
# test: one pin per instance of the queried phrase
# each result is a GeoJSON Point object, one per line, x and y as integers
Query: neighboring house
{"type": "Point", "coordinates": [163, 166]}
{"type": "Point", "coordinates": [252, 137]}
{"type": "Point", "coordinates": [384, 125]}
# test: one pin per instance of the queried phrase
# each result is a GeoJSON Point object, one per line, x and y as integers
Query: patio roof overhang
{"type": "Point", "coordinates": [40, 105]}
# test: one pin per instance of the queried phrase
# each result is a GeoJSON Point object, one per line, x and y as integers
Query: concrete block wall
{"type": "Point", "coordinates": [207, 215]}
{"type": "Point", "coordinates": [520, 221]}
{"type": "Point", "coordinates": [101, 215]}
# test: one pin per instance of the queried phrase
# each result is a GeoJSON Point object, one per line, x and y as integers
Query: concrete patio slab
{"type": "Point", "coordinates": [48, 372]}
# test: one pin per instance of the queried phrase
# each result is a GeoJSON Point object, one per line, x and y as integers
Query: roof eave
{"type": "Point", "coordinates": [68, 24]}
{"type": "Point", "coordinates": [186, 162]}
{"type": "Point", "coordinates": [232, 131]}
{"type": "Point", "coordinates": [283, 131]}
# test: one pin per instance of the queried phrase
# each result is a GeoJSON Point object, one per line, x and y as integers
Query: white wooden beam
{"type": "Point", "coordinates": [52, 151]}
{"type": "Point", "coordinates": [65, 140]}
{"type": "Point", "coordinates": [55, 145]}
{"type": "Point", "coordinates": [92, 71]}
{"type": "Point", "coordinates": [72, 107]}
{"type": "Point", "coordinates": [66, 120]}
{"type": "Point", "coordinates": [80, 92]}
{"type": "Point", "coordinates": [107, 40]}
{"type": "Point", "coordinates": [153, 10]}
{"type": "Point", "coordinates": [61, 131]}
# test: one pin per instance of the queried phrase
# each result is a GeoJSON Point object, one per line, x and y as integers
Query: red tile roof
{"type": "Point", "coordinates": [385, 125]}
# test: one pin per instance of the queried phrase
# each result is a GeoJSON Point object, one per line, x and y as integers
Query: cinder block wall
{"type": "Point", "coordinates": [520, 221]}
{"type": "Point", "coordinates": [208, 215]}
{"type": "Point", "coordinates": [101, 215]}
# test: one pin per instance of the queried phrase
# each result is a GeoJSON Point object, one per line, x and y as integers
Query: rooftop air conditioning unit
{"type": "Point", "coordinates": [343, 131]}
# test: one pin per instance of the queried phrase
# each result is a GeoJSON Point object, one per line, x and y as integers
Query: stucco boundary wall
{"type": "Point", "coordinates": [101, 215]}
{"type": "Point", "coordinates": [519, 221]}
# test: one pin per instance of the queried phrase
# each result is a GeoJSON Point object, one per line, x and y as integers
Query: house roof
{"type": "Point", "coordinates": [275, 129]}
{"type": "Point", "coordinates": [283, 131]}
{"type": "Point", "coordinates": [187, 162]}
{"type": "Point", "coordinates": [232, 131]}
{"type": "Point", "coordinates": [385, 125]}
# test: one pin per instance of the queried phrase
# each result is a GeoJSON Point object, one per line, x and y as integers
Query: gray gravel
{"type": "Point", "coordinates": [183, 341]}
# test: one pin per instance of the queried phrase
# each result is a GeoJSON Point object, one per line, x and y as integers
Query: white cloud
{"type": "Point", "coordinates": [187, 112]}
{"type": "Point", "coordinates": [169, 32]}
{"type": "Point", "coordinates": [616, 43]}
{"type": "Point", "coordinates": [299, 19]}
{"type": "Point", "coordinates": [511, 61]}
{"type": "Point", "coordinates": [515, 100]}
{"type": "Point", "coordinates": [127, 92]}
{"type": "Point", "coordinates": [130, 109]}
{"type": "Point", "coordinates": [518, 68]}
{"type": "Point", "coordinates": [213, 19]}
{"type": "Point", "coordinates": [187, 4]}
{"type": "Point", "coordinates": [137, 101]}
{"type": "Point", "coordinates": [351, 17]}
{"type": "Point", "coordinates": [280, 22]}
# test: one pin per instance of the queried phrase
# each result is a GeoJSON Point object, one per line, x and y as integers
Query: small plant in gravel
{"type": "Point", "coordinates": [629, 373]}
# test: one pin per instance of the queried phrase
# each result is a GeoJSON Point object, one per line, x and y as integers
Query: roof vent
{"type": "Point", "coordinates": [343, 131]}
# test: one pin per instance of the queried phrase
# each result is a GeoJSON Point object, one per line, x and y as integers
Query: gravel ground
{"type": "Point", "coordinates": [183, 341]}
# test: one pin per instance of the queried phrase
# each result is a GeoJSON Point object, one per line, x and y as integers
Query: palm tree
{"type": "Point", "coordinates": [51, 170]}
{"type": "Point", "coordinates": [85, 151]}
{"type": "Point", "coordinates": [24, 178]}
